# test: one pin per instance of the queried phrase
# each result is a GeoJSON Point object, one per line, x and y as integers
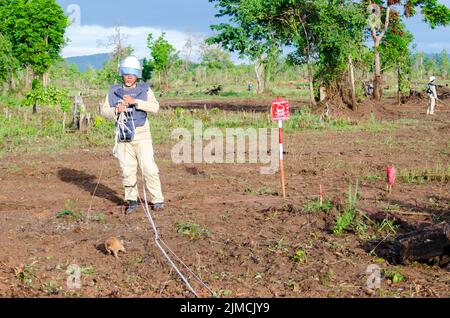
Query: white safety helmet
{"type": "Point", "coordinates": [432, 79]}
{"type": "Point", "coordinates": [131, 66]}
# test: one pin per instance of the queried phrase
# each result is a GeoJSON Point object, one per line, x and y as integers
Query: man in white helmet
{"type": "Point", "coordinates": [130, 104]}
{"type": "Point", "coordinates": [432, 94]}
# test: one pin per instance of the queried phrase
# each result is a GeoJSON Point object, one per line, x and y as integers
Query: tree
{"type": "Point", "coordinates": [339, 30]}
{"type": "Point", "coordinates": [215, 58]}
{"type": "Point", "coordinates": [109, 74]}
{"type": "Point", "coordinates": [434, 14]}
{"type": "Point", "coordinates": [147, 70]}
{"type": "Point", "coordinates": [247, 37]}
{"type": "Point", "coordinates": [289, 21]}
{"type": "Point", "coordinates": [430, 66]}
{"type": "Point", "coordinates": [164, 56]}
{"type": "Point", "coordinates": [8, 63]}
{"type": "Point", "coordinates": [191, 41]}
{"type": "Point", "coordinates": [444, 64]}
{"type": "Point", "coordinates": [36, 31]}
{"type": "Point", "coordinates": [419, 68]}
{"type": "Point", "coordinates": [395, 54]}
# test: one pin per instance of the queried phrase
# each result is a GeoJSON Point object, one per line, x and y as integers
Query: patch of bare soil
{"type": "Point", "coordinates": [253, 236]}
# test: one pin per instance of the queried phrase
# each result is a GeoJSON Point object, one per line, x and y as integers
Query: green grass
{"type": "Point", "coordinates": [373, 177]}
{"type": "Point", "coordinates": [68, 214]}
{"type": "Point", "coordinates": [26, 275]}
{"type": "Point", "coordinates": [88, 271]}
{"type": "Point", "coordinates": [100, 218]}
{"type": "Point", "coordinates": [51, 287]}
{"type": "Point", "coordinates": [394, 276]}
{"type": "Point", "coordinates": [23, 132]}
{"type": "Point", "coordinates": [299, 256]}
{"type": "Point", "coordinates": [315, 206]}
{"type": "Point", "coordinates": [192, 230]}
{"type": "Point", "coordinates": [388, 227]}
{"type": "Point", "coordinates": [425, 175]}
{"type": "Point", "coordinates": [345, 219]}
{"type": "Point", "coordinates": [279, 247]}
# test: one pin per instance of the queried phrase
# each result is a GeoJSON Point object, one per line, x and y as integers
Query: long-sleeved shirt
{"type": "Point", "coordinates": [151, 105]}
{"type": "Point", "coordinates": [433, 91]}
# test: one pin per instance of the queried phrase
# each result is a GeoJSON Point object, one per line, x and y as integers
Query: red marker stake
{"type": "Point", "coordinates": [283, 183]}
{"type": "Point", "coordinates": [280, 112]}
{"type": "Point", "coordinates": [321, 196]}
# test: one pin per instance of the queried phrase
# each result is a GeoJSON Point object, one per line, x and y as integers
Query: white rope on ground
{"type": "Point", "coordinates": [95, 190]}
{"type": "Point", "coordinates": [121, 125]}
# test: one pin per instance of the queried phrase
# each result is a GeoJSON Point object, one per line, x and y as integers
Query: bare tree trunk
{"type": "Point", "coordinates": [12, 82]}
{"type": "Point", "coordinates": [35, 106]}
{"type": "Point", "coordinates": [45, 79]}
{"type": "Point", "coordinates": [259, 70]}
{"type": "Point", "coordinates": [378, 82]}
{"type": "Point", "coordinates": [312, 98]}
{"type": "Point", "coordinates": [352, 83]}
{"type": "Point", "coordinates": [322, 93]}
{"type": "Point", "coordinates": [28, 79]}
{"type": "Point", "coordinates": [399, 83]}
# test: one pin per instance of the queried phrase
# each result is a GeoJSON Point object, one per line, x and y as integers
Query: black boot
{"type": "Point", "coordinates": [133, 206]}
{"type": "Point", "coordinates": [157, 206]}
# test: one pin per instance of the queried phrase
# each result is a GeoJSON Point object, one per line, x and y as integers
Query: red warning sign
{"type": "Point", "coordinates": [280, 110]}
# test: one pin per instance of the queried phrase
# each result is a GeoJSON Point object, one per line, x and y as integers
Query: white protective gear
{"type": "Point", "coordinates": [433, 97]}
{"type": "Point", "coordinates": [131, 66]}
{"type": "Point", "coordinates": [139, 154]}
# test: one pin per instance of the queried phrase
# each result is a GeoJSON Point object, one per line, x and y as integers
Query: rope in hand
{"type": "Point", "coordinates": [163, 247]}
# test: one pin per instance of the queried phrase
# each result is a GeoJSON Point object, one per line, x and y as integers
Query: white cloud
{"type": "Point", "coordinates": [84, 40]}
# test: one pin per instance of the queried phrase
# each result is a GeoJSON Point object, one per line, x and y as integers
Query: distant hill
{"type": "Point", "coordinates": [83, 63]}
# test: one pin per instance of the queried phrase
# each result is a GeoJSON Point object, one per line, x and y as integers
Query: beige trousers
{"type": "Point", "coordinates": [432, 106]}
{"type": "Point", "coordinates": [134, 154]}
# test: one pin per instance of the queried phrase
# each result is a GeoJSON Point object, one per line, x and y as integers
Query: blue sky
{"type": "Point", "coordinates": [179, 19]}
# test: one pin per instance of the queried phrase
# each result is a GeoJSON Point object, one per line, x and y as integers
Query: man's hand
{"type": "Point", "coordinates": [129, 100]}
{"type": "Point", "coordinates": [121, 108]}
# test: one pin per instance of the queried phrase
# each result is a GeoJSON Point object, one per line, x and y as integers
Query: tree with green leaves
{"type": "Point", "coordinates": [109, 73]}
{"type": "Point", "coordinates": [247, 37]}
{"type": "Point", "coordinates": [36, 31]}
{"type": "Point", "coordinates": [419, 59]}
{"type": "Point", "coordinates": [339, 38]}
{"type": "Point", "coordinates": [444, 64]}
{"type": "Point", "coordinates": [380, 14]}
{"type": "Point", "coordinates": [164, 56]}
{"type": "Point", "coordinates": [8, 63]}
{"type": "Point", "coordinates": [215, 58]}
{"type": "Point", "coordinates": [288, 21]}
{"type": "Point", "coordinates": [147, 70]}
{"type": "Point", "coordinates": [430, 66]}
{"type": "Point", "coordinates": [395, 54]}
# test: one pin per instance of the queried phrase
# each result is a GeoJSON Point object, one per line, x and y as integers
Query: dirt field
{"type": "Point", "coordinates": [253, 234]}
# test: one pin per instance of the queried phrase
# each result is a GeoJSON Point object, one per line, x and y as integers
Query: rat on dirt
{"type": "Point", "coordinates": [114, 245]}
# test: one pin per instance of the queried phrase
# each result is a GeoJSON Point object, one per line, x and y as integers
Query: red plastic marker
{"type": "Point", "coordinates": [390, 176]}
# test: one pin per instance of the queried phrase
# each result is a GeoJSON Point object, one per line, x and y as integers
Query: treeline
{"type": "Point", "coordinates": [323, 43]}
{"type": "Point", "coordinates": [329, 36]}
{"type": "Point", "coordinates": [31, 39]}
